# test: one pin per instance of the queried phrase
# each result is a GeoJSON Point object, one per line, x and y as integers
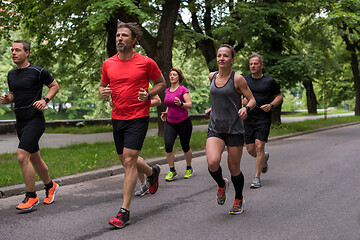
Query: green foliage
{"type": "Point", "coordinates": [196, 76]}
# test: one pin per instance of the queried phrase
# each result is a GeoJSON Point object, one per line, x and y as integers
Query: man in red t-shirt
{"type": "Point", "coordinates": [126, 76]}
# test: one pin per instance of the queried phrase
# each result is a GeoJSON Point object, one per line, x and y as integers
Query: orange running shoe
{"type": "Point", "coordinates": [50, 193]}
{"type": "Point", "coordinates": [222, 193]}
{"type": "Point", "coordinates": [28, 203]}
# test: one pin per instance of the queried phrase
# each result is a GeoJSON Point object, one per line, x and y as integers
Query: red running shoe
{"type": "Point", "coordinates": [121, 220]}
{"type": "Point", "coordinates": [154, 179]}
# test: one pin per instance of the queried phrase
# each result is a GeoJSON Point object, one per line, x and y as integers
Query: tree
{"type": "Point", "coordinates": [345, 16]}
{"type": "Point", "coordinates": [73, 34]}
{"type": "Point", "coordinates": [158, 47]}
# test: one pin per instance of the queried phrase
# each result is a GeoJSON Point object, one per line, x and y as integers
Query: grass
{"type": "Point", "coordinates": [305, 113]}
{"type": "Point", "coordinates": [84, 129]}
{"type": "Point", "coordinates": [86, 157]}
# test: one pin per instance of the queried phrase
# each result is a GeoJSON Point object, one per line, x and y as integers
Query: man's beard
{"type": "Point", "coordinates": [123, 48]}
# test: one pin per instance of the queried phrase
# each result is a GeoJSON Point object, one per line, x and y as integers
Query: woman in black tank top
{"type": "Point", "coordinates": [226, 126]}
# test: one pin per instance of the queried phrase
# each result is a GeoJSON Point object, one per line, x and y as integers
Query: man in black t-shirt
{"type": "Point", "coordinates": [257, 125]}
{"type": "Point", "coordinates": [25, 90]}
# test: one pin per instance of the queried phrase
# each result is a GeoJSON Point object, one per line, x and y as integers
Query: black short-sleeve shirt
{"type": "Point", "coordinates": [264, 89]}
{"type": "Point", "coordinates": [26, 84]}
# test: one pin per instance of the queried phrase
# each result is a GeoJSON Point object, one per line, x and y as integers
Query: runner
{"type": "Point", "coordinates": [177, 122]}
{"type": "Point", "coordinates": [226, 126]}
{"type": "Point", "coordinates": [25, 90]}
{"type": "Point", "coordinates": [126, 76]}
{"type": "Point", "coordinates": [257, 125]}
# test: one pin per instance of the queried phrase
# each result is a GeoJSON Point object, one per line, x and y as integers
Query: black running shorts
{"type": "Point", "coordinates": [256, 131]}
{"type": "Point", "coordinates": [130, 133]}
{"type": "Point", "coordinates": [29, 132]}
{"type": "Point", "coordinates": [232, 140]}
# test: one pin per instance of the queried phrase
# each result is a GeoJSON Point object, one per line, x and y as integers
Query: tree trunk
{"type": "Point", "coordinates": [310, 97]}
{"type": "Point", "coordinates": [276, 114]}
{"type": "Point", "coordinates": [158, 48]}
{"type": "Point", "coordinates": [355, 70]}
{"type": "Point", "coordinates": [351, 47]}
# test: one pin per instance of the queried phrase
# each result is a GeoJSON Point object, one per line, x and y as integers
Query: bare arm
{"type": "Point", "coordinates": [277, 101]}
{"type": "Point", "coordinates": [207, 111]}
{"type": "Point", "coordinates": [53, 90]}
{"type": "Point", "coordinates": [187, 101]}
{"type": "Point", "coordinates": [159, 85]}
{"type": "Point", "coordinates": [242, 88]}
{"type": "Point", "coordinates": [104, 90]}
{"type": "Point", "coordinates": [164, 115]}
{"type": "Point", "coordinates": [156, 101]}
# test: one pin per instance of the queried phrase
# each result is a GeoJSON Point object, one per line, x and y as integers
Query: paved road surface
{"type": "Point", "coordinates": [310, 192]}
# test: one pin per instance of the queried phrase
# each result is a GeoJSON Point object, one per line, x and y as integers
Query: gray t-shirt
{"type": "Point", "coordinates": [225, 104]}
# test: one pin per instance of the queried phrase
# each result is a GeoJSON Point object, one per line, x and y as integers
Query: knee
{"type": "Point", "coordinates": [259, 148]}
{"type": "Point", "coordinates": [234, 170]}
{"type": "Point", "coordinates": [213, 164]}
{"type": "Point", "coordinates": [23, 158]}
{"type": "Point", "coordinates": [129, 163]}
{"type": "Point", "coordinates": [250, 148]}
{"type": "Point", "coordinates": [168, 148]}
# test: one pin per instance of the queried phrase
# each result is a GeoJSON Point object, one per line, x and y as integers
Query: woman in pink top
{"type": "Point", "coordinates": [178, 122]}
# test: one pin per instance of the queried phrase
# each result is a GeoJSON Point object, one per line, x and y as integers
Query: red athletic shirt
{"type": "Point", "coordinates": [126, 78]}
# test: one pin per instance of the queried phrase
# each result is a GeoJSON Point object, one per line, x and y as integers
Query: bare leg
{"type": "Point", "coordinates": [214, 148]}
{"type": "Point", "coordinates": [130, 158]}
{"type": "Point", "coordinates": [171, 159]}
{"type": "Point", "coordinates": [27, 169]}
{"type": "Point", "coordinates": [188, 157]}
{"type": "Point", "coordinates": [257, 150]}
{"type": "Point", "coordinates": [40, 167]}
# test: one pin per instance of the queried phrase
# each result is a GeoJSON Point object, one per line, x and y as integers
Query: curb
{"type": "Point", "coordinates": [107, 172]}
{"type": "Point", "coordinates": [86, 176]}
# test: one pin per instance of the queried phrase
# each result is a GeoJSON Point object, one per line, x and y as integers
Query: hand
{"type": "Point", "coordinates": [163, 116]}
{"type": "Point", "coordinates": [40, 104]}
{"type": "Point", "coordinates": [177, 101]}
{"type": "Point", "coordinates": [266, 107]}
{"type": "Point", "coordinates": [207, 112]}
{"type": "Point", "coordinates": [105, 92]}
{"type": "Point", "coordinates": [244, 101]}
{"type": "Point", "coordinates": [242, 113]}
{"type": "Point", "coordinates": [143, 95]}
{"type": "Point", "coordinates": [5, 98]}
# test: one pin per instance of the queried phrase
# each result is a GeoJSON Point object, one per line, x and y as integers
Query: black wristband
{"type": "Point", "coordinates": [181, 104]}
{"type": "Point", "coordinates": [150, 96]}
{"type": "Point", "coordinates": [271, 105]}
{"type": "Point", "coordinates": [47, 100]}
{"type": "Point", "coordinates": [247, 109]}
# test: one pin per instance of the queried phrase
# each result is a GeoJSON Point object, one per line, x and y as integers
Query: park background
{"type": "Point", "coordinates": [310, 47]}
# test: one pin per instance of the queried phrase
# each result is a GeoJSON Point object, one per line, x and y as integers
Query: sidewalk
{"type": "Point", "coordinates": [9, 144]}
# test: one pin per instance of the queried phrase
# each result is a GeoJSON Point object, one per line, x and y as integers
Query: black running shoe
{"type": "Point", "coordinates": [121, 220]}
{"type": "Point", "coordinates": [154, 179]}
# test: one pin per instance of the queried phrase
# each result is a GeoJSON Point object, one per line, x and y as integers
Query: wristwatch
{"type": "Point", "coordinates": [271, 105]}
{"type": "Point", "coordinates": [247, 109]}
{"type": "Point", "coordinates": [47, 100]}
{"type": "Point", "coordinates": [150, 96]}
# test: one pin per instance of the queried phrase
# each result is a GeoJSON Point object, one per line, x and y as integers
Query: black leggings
{"type": "Point", "coordinates": [183, 129]}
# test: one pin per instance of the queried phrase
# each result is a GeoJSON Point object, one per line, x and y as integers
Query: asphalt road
{"type": "Point", "coordinates": [310, 192]}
